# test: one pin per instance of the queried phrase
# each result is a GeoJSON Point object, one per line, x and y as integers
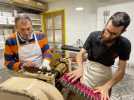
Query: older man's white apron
{"type": "Point", "coordinates": [30, 52]}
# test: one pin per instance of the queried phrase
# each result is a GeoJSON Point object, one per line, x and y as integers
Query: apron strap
{"type": "Point", "coordinates": [17, 40]}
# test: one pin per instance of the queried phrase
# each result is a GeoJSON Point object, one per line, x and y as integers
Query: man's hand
{"type": "Point", "coordinates": [104, 90]}
{"type": "Point", "coordinates": [46, 64]}
{"type": "Point", "coordinates": [76, 74]}
{"type": "Point", "coordinates": [29, 64]}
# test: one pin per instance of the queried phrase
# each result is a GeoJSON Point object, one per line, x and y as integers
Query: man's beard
{"type": "Point", "coordinates": [26, 37]}
{"type": "Point", "coordinates": [108, 41]}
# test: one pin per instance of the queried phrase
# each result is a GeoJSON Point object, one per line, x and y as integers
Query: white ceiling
{"type": "Point", "coordinates": [96, 2]}
{"type": "Point", "coordinates": [107, 2]}
{"type": "Point", "coordinates": [103, 2]}
{"type": "Point", "coordinates": [90, 0]}
{"type": "Point", "coordinates": [99, 1]}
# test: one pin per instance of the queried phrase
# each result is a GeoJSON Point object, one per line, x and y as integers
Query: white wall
{"type": "Point", "coordinates": [78, 24]}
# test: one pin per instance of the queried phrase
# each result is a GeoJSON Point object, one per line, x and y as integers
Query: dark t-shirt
{"type": "Point", "coordinates": [99, 52]}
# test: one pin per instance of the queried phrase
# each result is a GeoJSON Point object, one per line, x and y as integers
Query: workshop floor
{"type": "Point", "coordinates": [124, 90]}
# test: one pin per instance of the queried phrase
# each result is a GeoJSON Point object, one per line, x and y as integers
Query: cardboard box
{"type": "Point", "coordinates": [7, 14]}
{"type": "Point", "coordinates": [3, 20]}
{"type": "Point", "coordinates": [10, 20]}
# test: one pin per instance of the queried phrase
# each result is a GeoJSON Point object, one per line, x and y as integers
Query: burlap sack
{"type": "Point", "coordinates": [18, 88]}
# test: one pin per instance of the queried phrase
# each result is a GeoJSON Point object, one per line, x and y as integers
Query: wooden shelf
{"type": "Point", "coordinates": [36, 19]}
{"type": "Point", "coordinates": [6, 26]}
{"type": "Point", "coordinates": [36, 24]}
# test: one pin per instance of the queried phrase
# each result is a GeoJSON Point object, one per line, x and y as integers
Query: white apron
{"type": "Point", "coordinates": [95, 74]}
{"type": "Point", "coordinates": [30, 52]}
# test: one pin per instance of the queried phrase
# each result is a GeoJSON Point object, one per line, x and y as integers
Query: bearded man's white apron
{"type": "Point", "coordinates": [95, 74]}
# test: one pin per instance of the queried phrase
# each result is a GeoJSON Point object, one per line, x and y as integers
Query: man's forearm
{"type": "Point", "coordinates": [13, 65]}
{"type": "Point", "coordinates": [116, 78]}
{"type": "Point", "coordinates": [118, 75]}
{"type": "Point", "coordinates": [80, 60]}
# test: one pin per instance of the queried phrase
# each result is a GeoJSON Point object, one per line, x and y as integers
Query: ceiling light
{"type": "Point", "coordinates": [79, 9]}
